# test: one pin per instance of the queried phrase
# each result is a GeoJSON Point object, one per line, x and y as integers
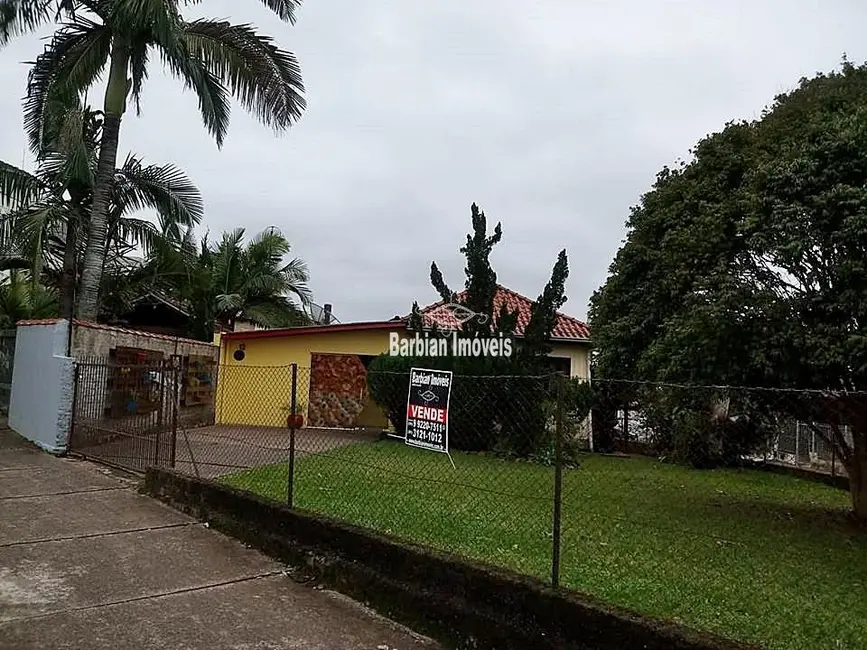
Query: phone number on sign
{"type": "Point", "coordinates": [424, 425]}
{"type": "Point", "coordinates": [425, 436]}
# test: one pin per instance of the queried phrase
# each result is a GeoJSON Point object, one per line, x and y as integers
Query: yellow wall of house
{"type": "Point", "coordinates": [257, 390]}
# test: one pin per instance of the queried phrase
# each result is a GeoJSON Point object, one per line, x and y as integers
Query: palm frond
{"type": "Point", "coordinates": [77, 149]}
{"type": "Point", "coordinates": [159, 19]}
{"type": "Point", "coordinates": [285, 9]}
{"type": "Point", "coordinates": [264, 78]}
{"type": "Point", "coordinates": [229, 303]}
{"type": "Point", "coordinates": [139, 232]}
{"type": "Point", "coordinates": [226, 268]}
{"type": "Point", "coordinates": [19, 17]}
{"type": "Point", "coordinates": [22, 298]}
{"type": "Point", "coordinates": [138, 63]}
{"type": "Point", "coordinates": [212, 95]}
{"type": "Point", "coordinates": [164, 188]}
{"type": "Point", "coordinates": [296, 277]}
{"type": "Point", "coordinates": [18, 187]}
{"type": "Point", "coordinates": [70, 64]}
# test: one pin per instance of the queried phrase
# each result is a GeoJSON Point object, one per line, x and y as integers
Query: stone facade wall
{"type": "Point", "coordinates": [338, 390]}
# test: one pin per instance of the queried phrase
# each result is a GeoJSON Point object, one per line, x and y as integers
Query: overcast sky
{"type": "Point", "coordinates": [553, 115]}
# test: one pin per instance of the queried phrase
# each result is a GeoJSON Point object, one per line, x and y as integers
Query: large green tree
{"type": "Point", "coordinates": [748, 267]}
{"type": "Point", "coordinates": [51, 206]}
{"type": "Point", "coordinates": [213, 58]}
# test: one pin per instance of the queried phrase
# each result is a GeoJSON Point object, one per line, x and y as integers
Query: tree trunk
{"type": "Point", "coordinates": [94, 255]}
{"type": "Point", "coordinates": [68, 279]}
{"type": "Point", "coordinates": [857, 471]}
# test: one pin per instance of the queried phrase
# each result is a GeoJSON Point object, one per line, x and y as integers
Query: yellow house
{"type": "Point", "coordinates": [330, 365]}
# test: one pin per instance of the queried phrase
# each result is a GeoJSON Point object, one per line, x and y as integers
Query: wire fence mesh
{"type": "Point", "coordinates": [7, 363]}
{"type": "Point", "coordinates": [517, 488]}
{"type": "Point", "coordinates": [125, 414]}
{"type": "Point", "coordinates": [807, 429]}
{"type": "Point", "coordinates": [508, 493]}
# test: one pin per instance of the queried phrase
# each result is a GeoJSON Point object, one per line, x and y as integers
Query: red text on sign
{"type": "Point", "coordinates": [429, 413]}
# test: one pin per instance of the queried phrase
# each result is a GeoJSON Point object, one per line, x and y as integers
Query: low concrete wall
{"type": "Point", "coordinates": [838, 481]}
{"type": "Point", "coordinates": [40, 405]}
{"type": "Point", "coordinates": [463, 604]}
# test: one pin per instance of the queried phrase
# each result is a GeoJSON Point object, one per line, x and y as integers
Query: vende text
{"type": "Point", "coordinates": [429, 413]}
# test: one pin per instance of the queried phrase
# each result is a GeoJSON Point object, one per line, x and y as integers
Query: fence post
{"type": "Point", "coordinates": [558, 486]}
{"type": "Point", "coordinates": [175, 400]}
{"type": "Point", "coordinates": [293, 405]}
{"type": "Point", "coordinates": [160, 415]}
{"type": "Point", "coordinates": [833, 461]}
{"type": "Point", "coordinates": [797, 444]}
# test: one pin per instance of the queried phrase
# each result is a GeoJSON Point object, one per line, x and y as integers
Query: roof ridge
{"type": "Point", "coordinates": [531, 300]}
{"type": "Point", "coordinates": [507, 292]}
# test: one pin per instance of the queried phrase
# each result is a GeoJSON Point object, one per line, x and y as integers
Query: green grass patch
{"type": "Point", "coordinates": [754, 556]}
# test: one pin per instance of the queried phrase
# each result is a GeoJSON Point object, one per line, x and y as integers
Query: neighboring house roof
{"type": "Point", "coordinates": [311, 329]}
{"type": "Point", "coordinates": [444, 316]}
{"type": "Point", "coordinates": [152, 296]}
{"type": "Point", "coordinates": [567, 328]}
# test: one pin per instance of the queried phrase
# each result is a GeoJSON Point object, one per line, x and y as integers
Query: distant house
{"type": "Point", "coordinates": [332, 361]}
{"type": "Point", "coordinates": [157, 313]}
{"type": "Point", "coordinates": [570, 338]}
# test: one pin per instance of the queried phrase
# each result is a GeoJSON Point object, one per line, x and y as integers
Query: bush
{"type": "Point", "coordinates": [703, 428]}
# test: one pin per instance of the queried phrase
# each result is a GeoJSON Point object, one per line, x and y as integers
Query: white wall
{"type": "Point", "coordinates": [40, 406]}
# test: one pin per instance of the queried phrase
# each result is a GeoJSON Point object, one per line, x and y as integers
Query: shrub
{"type": "Point", "coordinates": [495, 405]}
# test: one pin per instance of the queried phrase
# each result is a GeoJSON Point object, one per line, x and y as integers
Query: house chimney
{"type": "Point", "coordinates": [326, 309]}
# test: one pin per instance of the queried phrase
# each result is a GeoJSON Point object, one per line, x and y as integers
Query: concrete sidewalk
{"type": "Point", "coordinates": [87, 562]}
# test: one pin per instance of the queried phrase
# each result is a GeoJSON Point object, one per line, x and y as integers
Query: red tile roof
{"type": "Point", "coordinates": [38, 321]}
{"type": "Point", "coordinates": [567, 328]}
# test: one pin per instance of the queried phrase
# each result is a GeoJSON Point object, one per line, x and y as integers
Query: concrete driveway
{"type": "Point", "coordinates": [88, 563]}
{"type": "Point", "coordinates": [216, 450]}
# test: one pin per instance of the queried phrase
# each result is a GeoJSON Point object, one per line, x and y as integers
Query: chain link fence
{"type": "Point", "coordinates": [807, 429]}
{"type": "Point", "coordinates": [7, 364]}
{"type": "Point", "coordinates": [517, 488]}
{"type": "Point", "coordinates": [499, 476]}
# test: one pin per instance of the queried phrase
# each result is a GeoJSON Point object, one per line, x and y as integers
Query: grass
{"type": "Point", "coordinates": [754, 556]}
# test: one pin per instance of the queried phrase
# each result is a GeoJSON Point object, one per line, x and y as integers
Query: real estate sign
{"type": "Point", "coordinates": [427, 409]}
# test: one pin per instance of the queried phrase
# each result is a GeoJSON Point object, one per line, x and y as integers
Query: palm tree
{"type": "Point", "coordinates": [227, 282]}
{"type": "Point", "coordinates": [22, 298]}
{"type": "Point", "coordinates": [213, 58]}
{"type": "Point", "coordinates": [51, 206]}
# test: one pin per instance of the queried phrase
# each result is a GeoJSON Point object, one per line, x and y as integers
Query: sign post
{"type": "Point", "coordinates": [427, 409]}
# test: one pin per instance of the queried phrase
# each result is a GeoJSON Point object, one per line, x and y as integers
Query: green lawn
{"type": "Point", "coordinates": [751, 555]}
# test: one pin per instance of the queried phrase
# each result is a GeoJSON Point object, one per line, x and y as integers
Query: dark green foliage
{"type": "Point", "coordinates": [537, 335]}
{"type": "Point", "coordinates": [748, 265]}
{"type": "Point", "coordinates": [497, 403]}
